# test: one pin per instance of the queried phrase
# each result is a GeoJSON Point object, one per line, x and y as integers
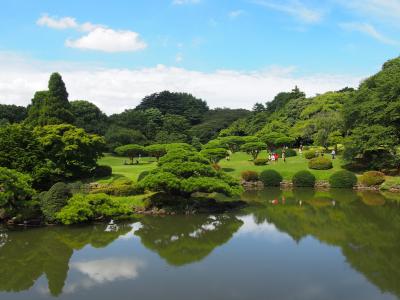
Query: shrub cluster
{"type": "Point", "coordinates": [85, 208]}
{"type": "Point", "coordinates": [271, 178]}
{"type": "Point", "coordinates": [320, 163]}
{"type": "Point", "coordinates": [260, 161]}
{"type": "Point", "coordinates": [102, 171]}
{"type": "Point", "coordinates": [250, 175]}
{"type": "Point", "coordinates": [343, 179]}
{"type": "Point", "coordinates": [52, 201]}
{"type": "Point", "coordinates": [310, 154]}
{"type": "Point", "coordinates": [372, 178]}
{"type": "Point", "coordinates": [303, 179]}
{"type": "Point", "coordinates": [121, 187]}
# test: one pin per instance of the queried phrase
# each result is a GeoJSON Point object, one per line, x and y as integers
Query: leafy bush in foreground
{"type": "Point", "coordinates": [15, 189]}
{"type": "Point", "coordinates": [271, 178]}
{"type": "Point", "coordinates": [249, 175]}
{"type": "Point", "coordinates": [303, 179]}
{"type": "Point", "coordinates": [54, 200]}
{"type": "Point", "coordinates": [343, 179]}
{"type": "Point", "coordinates": [320, 163]}
{"type": "Point", "coordinates": [85, 208]}
{"type": "Point", "coordinates": [372, 178]}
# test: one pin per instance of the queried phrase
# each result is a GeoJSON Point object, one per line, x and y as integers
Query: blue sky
{"type": "Point", "coordinates": [293, 40]}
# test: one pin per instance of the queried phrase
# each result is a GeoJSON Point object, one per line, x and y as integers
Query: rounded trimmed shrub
{"type": "Point", "coordinates": [288, 152]}
{"type": "Point", "coordinates": [271, 178]}
{"type": "Point", "coordinates": [102, 171]}
{"type": "Point", "coordinates": [250, 175]}
{"type": "Point", "coordinates": [343, 179]}
{"type": "Point", "coordinates": [320, 163]}
{"type": "Point", "coordinates": [303, 179]}
{"type": "Point", "coordinates": [372, 178]}
{"type": "Point", "coordinates": [54, 200]}
{"type": "Point", "coordinates": [260, 162]}
{"type": "Point", "coordinates": [310, 154]}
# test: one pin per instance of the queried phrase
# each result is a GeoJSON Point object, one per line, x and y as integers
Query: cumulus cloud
{"type": "Point", "coordinates": [99, 37]}
{"type": "Point", "coordinates": [108, 40]}
{"type": "Point", "coordinates": [57, 23]}
{"type": "Point", "coordinates": [294, 8]}
{"type": "Point", "coordinates": [114, 90]}
{"type": "Point", "coordinates": [369, 30]}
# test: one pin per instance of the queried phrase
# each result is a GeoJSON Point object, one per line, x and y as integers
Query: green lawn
{"type": "Point", "coordinates": [242, 162]}
{"type": "Point", "coordinates": [129, 171]}
{"type": "Point", "coordinates": [239, 162]}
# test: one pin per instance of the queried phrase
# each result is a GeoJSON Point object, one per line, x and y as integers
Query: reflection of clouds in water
{"type": "Point", "coordinates": [265, 230]}
{"type": "Point", "coordinates": [131, 234]}
{"type": "Point", "coordinates": [102, 271]}
{"type": "Point", "coordinates": [212, 225]}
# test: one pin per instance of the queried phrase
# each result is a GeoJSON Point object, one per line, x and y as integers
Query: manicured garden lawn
{"type": "Point", "coordinates": [241, 162]}
{"type": "Point", "coordinates": [129, 171]}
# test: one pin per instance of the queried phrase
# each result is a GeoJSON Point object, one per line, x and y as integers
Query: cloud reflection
{"type": "Point", "coordinates": [264, 229]}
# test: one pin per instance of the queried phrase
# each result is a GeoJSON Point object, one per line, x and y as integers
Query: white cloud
{"type": "Point", "coordinates": [182, 2]}
{"type": "Point", "coordinates": [382, 10]}
{"type": "Point", "coordinates": [294, 8]}
{"type": "Point", "coordinates": [369, 30]}
{"type": "Point", "coordinates": [66, 23]}
{"type": "Point", "coordinates": [98, 37]}
{"type": "Point", "coordinates": [108, 40]}
{"type": "Point", "coordinates": [235, 13]}
{"type": "Point", "coordinates": [114, 90]}
{"type": "Point", "coordinates": [61, 23]}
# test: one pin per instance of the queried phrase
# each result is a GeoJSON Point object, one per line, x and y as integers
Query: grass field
{"type": "Point", "coordinates": [129, 171]}
{"type": "Point", "coordinates": [239, 162]}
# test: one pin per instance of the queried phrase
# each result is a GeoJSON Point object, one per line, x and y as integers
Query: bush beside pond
{"type": "Point", "coordinates": [320, 163]}
{"type": "Point", "coordinates": [250, 175]}
{"type": "Point", "coordinates": [84, 208]}
{"type": "Point", "coordinates": [52, 201]}
{"type": "Point", "coordinates": [303, 179]}
{"type": "Point", "coordinates": [343, 179]}
{"type": "Point", "coordinates": [372, 178]}
{"type": "Point", "coordinates": [271, 178]}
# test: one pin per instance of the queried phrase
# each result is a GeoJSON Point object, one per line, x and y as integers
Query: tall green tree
{"type": "Point", "coordinates": [89, 117]}
{"type": "Point", "coordinates": [52, 106]}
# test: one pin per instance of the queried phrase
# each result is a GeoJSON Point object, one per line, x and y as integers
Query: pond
{"type": "Point", "coordinates": [286, 245]}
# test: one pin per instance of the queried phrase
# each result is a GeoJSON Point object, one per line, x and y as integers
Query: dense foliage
{"type": "Point", "coordinates": [84, 208]}
{"type": "Point", "coordinates": [132, 151]}
{"type": "Point", "coordinates": [249, 175]}
{"type": "Point", "coordinates": [343, 179]}
{"type": "Point", "coordinates": [372, 178]}
{"type": "Point", "coordinates": [303, 179]}
{"type": "Point", "coordinates": [271, 178]}
{"type": "Point", "coordinates": [320, 163]}
{"type": "Point", "coordinates": [54, 200]}
{"type": "Point", "coordinates": [184, 172]}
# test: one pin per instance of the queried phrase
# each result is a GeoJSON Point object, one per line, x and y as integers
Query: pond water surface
{"type": "Point", "coordinates": [286, 245]}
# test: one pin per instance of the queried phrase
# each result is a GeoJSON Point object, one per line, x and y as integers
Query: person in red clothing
{"type": "Point", "coordinates": [276, 157]}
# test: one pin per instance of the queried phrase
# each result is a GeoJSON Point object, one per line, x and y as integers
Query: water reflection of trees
{"type": "Point", "coordinates": [365, 225]}
{"type": "Point", "coordinates": [27, 255]}
{"type": "Point", "coordinates": [185, 239]}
